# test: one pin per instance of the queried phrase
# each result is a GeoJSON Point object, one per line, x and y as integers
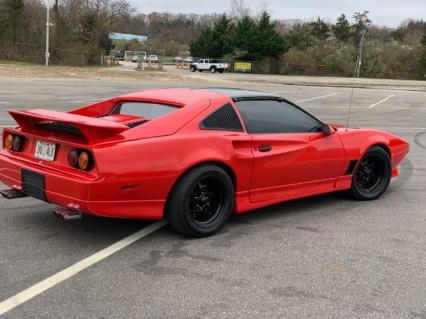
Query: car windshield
{"type": "Point", "coordinates": [143, 109]}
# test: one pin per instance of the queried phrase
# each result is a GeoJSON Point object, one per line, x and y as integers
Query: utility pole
{"type": "Point", "coordinates": [47, 54]}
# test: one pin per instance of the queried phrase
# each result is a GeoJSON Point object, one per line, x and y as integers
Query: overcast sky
{"type": "Point", "coordinates": [382, 12]}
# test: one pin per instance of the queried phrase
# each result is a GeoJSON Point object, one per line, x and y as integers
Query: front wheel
{"type": "Point", "coordinates": [193, 68]}
{"type": "Point", "coordinates": [372, 176]}
{"type": "Point", "coordinates": [201, 202]}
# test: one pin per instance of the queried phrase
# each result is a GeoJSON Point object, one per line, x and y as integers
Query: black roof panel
{"type": "Point", "coordinates": [238, 93]}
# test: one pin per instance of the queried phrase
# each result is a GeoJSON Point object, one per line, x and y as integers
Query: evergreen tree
{"type": "Point", "coordinates": [267, 41]}
{"type": "Point", "coordinates": [244, 34]}
{"type": "Point", "coordinates": [201, 46]}
{"type": "Point", "coordinates": [214, 42]}
{"type": "Point", "coordinates": [248, 39]}
{"type": "Point", "coordinates": [342, 29]}
{"type": "Point", "coordinates": [221, 37]}
{"type": "Point", "coordinates": [320, 29]}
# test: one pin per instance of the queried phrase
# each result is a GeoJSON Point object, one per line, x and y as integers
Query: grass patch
{"type": "Point", "coordinates": [17, 63]}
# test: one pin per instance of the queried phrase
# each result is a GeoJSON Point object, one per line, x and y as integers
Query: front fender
{"type": "Point", "coordinates": [358, 141]}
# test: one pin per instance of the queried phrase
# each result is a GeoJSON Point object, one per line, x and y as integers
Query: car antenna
{"type": "Point", "coordinates": [350, 103]}
{"type": "Point", "coordinates": [356, 74]}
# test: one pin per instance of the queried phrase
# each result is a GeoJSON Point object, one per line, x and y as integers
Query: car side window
{"type": "Point", "coordinates": [274, 116]}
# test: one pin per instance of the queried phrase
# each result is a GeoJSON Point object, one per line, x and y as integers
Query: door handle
{"type": "Point", "coordinates": [265, 148]}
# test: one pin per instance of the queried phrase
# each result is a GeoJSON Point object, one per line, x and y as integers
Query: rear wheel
{"type": "Point", "coordinates": [201, 202]}
{"type": "Point", "coordinates": [372, 176]}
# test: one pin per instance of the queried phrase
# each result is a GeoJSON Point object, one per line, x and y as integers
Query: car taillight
{"type": "Point", "coordinates": [8, 142]}
{"type": "Point", "coordinates": [14, 142]}
{"type": "Point", "coordinates": [84, 161]}
{"type": "Point", "coordinates": [73, 158]}
{"type": "Point", "coordinates": [18, 143]}
{"type": "Point", "coordinates": [80, 159]}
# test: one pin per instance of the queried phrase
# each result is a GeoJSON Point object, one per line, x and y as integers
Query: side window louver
{"type": "Point", "coordinates": [224, 119]}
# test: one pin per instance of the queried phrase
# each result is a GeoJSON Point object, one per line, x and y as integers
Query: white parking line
{"type": "Point", "coordinates": [317, 97]}
{"type": "Point", "coordinates": [296, 92]}
{"type": "Point", "coordinates": [67, 273]}
{"type": "Point", "coordinates": [380, 102]}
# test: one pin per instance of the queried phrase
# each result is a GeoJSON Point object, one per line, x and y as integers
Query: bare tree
{"type": "Point", "coordinates": [262, 7]}
{"type": "Point", "coordinates": [239, 9]}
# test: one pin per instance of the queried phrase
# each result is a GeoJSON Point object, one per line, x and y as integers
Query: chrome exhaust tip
{"type": "Point", "coordinates": [12, 193]}
{"type": "Point", "coordinates": [67, 214]}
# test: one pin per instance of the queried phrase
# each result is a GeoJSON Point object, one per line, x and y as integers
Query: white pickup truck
{"type": "Point", "coordinates": [211, 65]}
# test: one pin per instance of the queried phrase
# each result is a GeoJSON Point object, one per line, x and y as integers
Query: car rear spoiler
{"type": "Point", "coordinates": [91, 128]}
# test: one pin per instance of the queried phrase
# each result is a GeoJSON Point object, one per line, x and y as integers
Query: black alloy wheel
{"type": "Point", "coordinates": [207, 200]}
{"type": "Point", "coordinates": [201, 202]}
{"type": "Point", "coordinates": [369, 174]}
{"type": "Point", "coordinates": [373, 174]}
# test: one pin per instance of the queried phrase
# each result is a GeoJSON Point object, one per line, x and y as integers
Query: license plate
{"type": "Point", "coordinates": [45, 151]}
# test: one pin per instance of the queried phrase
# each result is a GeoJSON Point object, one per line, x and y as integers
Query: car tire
{"type": "Point", "coordinates": [213, 69]}
{"type": "Point", "coordinates": [372, 175]}
{"type": "Point", "coordinates": [221, 71]}
{"type": "Point", "coordinates": [193, 69]}
{"type": "Point", "coordinates": [201, 202]}
{"type": "Point", "coordinates": [200, 70]}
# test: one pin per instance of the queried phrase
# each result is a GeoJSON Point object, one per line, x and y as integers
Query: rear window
{"type": "Point", "coordinates": [143, 109]}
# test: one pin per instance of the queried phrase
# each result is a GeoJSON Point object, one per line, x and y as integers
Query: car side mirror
{"type": "Point", "coordinates": [325, 129]}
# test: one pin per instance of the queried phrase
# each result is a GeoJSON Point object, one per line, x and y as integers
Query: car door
{"type": "Point", "coordinates": [200, 65]}
{"type": "Point", "coordinates": [293, 157]}
{"type": "Point", "coordinates": [206, 65]}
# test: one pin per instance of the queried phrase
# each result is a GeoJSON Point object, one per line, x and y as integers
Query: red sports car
{"type": "Point", "coordinates": [193, 156]}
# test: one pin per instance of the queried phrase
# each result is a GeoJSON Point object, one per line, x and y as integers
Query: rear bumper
{"type": "Point", "coordinates": [73, 192]}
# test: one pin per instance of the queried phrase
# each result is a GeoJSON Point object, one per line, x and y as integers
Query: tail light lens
{"type": "Point", "coordinates": [73, 158]}
{"type": "Point", "coordinates": [80, 159]}
{"type": "Point", "coordinates": [14, 142]}
{"type": "Point", "coordinates": [8, 142]}
{"type": "Point", "coordinates": [84, 161]}
{"type": "Point", "coordinates": [18, 143]}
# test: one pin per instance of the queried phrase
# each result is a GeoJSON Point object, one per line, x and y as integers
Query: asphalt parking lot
{"type": "Point", "coordinates": [321, 257]}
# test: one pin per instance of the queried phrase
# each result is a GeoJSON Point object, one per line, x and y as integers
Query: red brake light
{"type": "Point", "coordinates": [18, 143]}
{"type": "Point", "coordinates": [80, 159]}
{"type": "Point", "coordinates": [14, 142]}
{"type": "Point", "coordinates": [73, 158]}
